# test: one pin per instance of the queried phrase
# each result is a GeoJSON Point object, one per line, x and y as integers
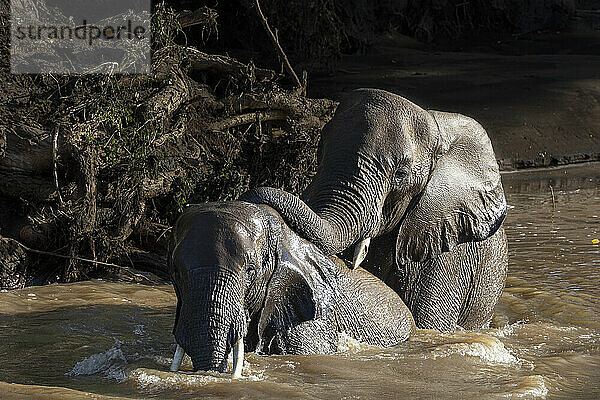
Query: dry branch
{"type": "Point", "coordinates": [28, 150]}
{"type": "Point", "coordinates": [55, 163]}
{"type": "Point", "coordinates": [223, 65]}
{"type": "Point", "coordinates": [288, 67]}
{"type": "Point", "coordinates": [294, 104]}
{"type": "Point", "coordinates": [587, 13]}
{"type": "Point", "coordinates": [87, 260]}
{"type": "Point", "coordinates": [179, 127]}
{"type": "Point", "coordinates": [202, 16]}
{"type": "Point", "coordinates": [243, 119]}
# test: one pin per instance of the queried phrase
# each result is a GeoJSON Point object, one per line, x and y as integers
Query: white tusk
{"type": "Point", "coordinates": [179, 353]}
{"type": "Point", "coordinates": [238, 358]}
{"type": "Point", "coordinates": [360, 252]}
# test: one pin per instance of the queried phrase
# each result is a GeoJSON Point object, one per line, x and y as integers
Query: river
{"type": "Point", "coordinates": [100, 339]}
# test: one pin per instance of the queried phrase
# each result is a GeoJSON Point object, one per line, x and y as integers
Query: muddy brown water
{"type": "Point", "coordinates": [103, 340]}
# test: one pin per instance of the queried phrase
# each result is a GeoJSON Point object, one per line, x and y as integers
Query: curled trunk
{"type": "Point", "coordinates": [333, 213]}
{"type": "Point", "coordinates": [323, 233]}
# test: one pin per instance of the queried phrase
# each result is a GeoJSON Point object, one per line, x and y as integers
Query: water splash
{"type": "Point", "coordinates": [157, 380]}
{"type": "Point", "coordinates": [530, 387]}
{"type": "Point", "coordinates": [111, 363]}
{"type": "Point", "coordinates": [490, 354]}
{"type": "Point", "coordinates": [153, 379]}
{"type": "Point", "coordinates": [348, 344]}
{"type": "Point", "coordinates": [507, 330]}
{"type": "Point", "coordinates": [485, 347]}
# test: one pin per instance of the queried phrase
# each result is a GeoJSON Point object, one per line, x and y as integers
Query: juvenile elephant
{"type": "Point", "coordinates": [244, 280]}
{"type": "Point", "coordinates": [422, 187]}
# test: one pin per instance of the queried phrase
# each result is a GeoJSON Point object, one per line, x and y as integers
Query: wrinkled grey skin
{"type": "Point", "coordinates": [239, 271]}
{"type": "Point", "coordinates": [424, 184]}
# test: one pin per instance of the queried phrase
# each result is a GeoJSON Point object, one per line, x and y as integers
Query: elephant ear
{"type": "Point", "coordinates": [463, 200]}
{"type": "Point", "coordinates": [303, 286]}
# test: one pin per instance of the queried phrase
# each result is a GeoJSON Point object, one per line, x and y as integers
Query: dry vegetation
{"type": "Point", "coordinates": [94, 169]}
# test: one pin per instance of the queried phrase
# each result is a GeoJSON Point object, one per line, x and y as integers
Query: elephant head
{"type": "Point", "coordinates": [238, 276]}
{"type": "Point", "coordinates": [386, 164]}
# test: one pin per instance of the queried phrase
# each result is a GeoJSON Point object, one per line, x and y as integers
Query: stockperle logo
{"type": "Point", "coordinates": [82, 36]}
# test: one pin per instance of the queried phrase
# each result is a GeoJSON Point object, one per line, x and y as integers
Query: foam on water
{"type": "Point", "coordinates": [154, 379]}
{"type": "Point", "coordinates": [506, 330]}
{"type": "Point", "coordinates": [146, 378]}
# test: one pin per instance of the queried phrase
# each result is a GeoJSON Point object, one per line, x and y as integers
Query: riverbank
{"type": "Point", "coordinates": [538, 96]}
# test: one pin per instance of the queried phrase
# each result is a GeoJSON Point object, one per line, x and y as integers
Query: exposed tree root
{"type": "Point", "coordinates": [244, 119]}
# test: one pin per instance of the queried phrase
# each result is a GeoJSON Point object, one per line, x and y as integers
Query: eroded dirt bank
{"type": "Point", "coordinates": [538, 96]}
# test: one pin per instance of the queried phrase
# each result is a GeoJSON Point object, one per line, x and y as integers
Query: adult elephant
{"type": "Point", "coordinates": [244, 280]}
{"type": "Point", "coordinates": [426, 185]}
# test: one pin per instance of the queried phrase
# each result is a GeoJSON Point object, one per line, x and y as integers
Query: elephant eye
{"type": "Point", "coordinates": [399, 175]}
{"type": "Point", "coordinates": [251, 271]}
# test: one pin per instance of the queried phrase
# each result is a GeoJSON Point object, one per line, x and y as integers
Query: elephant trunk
{"type": "Point", "coordinates": [333, 214]}
{"type": "Point", "coordinates": [300, 217]}
{"type": "Point", "coordinates": [211, 322]}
